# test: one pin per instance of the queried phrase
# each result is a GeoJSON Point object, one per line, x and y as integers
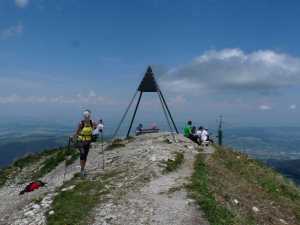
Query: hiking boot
{"type": "Point", "coordinates": [82, 173]}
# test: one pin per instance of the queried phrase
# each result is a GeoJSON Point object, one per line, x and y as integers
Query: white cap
{"type": "Point", "coordinates": [87, 114]}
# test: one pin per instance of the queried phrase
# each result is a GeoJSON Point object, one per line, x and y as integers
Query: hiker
{"type": "Point", "coordinates": [98, 129]}
{"type": "Point", "coordinates": [187, 130]}
{"type": "Point", "coordinates": [84, 137]}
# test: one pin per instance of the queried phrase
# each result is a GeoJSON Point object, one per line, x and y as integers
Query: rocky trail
{"type": "Point", "coordinates": [141, 192]}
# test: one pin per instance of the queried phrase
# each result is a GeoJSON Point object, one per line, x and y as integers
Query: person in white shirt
{"type": "Point", "coordinates": [199, 132]}
{"type": "Point", "coordinates": [99, 129]}
{"type": "Point", "coordinates": [204, 135]}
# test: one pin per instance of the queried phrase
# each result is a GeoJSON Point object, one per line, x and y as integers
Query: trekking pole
{"type": "Point", "coordinates": [102, 149]}
{"type": "Point", "coordinates": [69, 148]}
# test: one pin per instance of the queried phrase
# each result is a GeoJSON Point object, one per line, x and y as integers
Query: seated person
{"type": "Point", "coordinates": [193, 135]}
{"type": "Point", "coordinates": [187, 130]}
{"type": "Point", "coordinates": [208, 137]}
{"type": "Point", "coordinates": [139, 129]}
{"type": "Point", "coordinates": [204, 136]}
{"type": "Point", "coordinates": [199, 134]}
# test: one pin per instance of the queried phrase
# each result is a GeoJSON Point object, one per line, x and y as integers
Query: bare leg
{"type": "Point", "coordinates": [82, 164]}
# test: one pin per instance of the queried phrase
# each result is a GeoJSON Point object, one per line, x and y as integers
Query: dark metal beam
{"type": "Point", "coordinates": [165, 103]}
{"type": "Point", "coordinates": [166, 116]}
{"type": "Point", "coordinates": [124, 115]}
{"type": "Point", "coordinates": [136, 107]}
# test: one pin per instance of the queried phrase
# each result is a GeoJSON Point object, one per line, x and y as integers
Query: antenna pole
{"type": "Point", "coordinates": [136, 107]}
{"type": "Point", "coordinates": [220, 131]}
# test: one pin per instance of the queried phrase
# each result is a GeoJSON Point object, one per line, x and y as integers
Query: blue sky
{"type": "Point", "coordinates": [237, 58]}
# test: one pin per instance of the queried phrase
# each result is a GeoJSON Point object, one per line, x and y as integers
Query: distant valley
{"type": "Point", "coordinates": [278, 147]}
{"type": "Point", "coordinates": [290, 168]}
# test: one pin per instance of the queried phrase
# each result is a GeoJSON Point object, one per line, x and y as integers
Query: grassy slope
{"type": "Point", "coordinates": [45, 162]}
{"type": "Point", "coordinates": [227, 176]}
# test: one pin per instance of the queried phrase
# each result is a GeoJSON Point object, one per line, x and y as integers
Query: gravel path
{"type": "Point", "coordinates": [162, 200]}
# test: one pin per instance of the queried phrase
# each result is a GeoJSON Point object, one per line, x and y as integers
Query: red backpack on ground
{"type": "Point", "coordinates": [32, 186]}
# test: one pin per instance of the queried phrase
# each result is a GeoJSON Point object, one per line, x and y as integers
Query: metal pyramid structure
{"type": "Point", "coordinates": [148, 84]}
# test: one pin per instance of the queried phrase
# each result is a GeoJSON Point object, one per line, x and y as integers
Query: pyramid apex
{"type": "Point", "coordinates": [149, 70]}
{"type": "Point", "coordinates": [148, 83]}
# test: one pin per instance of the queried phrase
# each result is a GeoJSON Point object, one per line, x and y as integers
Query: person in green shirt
{"type": "Point", "coordinates": [187, 130]}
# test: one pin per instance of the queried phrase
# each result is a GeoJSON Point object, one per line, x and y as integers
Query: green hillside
{"type": "Point", "coordinates": [231, 188]}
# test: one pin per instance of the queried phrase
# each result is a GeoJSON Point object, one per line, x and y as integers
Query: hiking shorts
{"type": "Point", "coordinates": [84, 148]}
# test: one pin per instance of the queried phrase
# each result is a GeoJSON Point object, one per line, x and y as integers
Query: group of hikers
{"type": "Point", "coordinates": [199, 136]}
{"type": "Point", "coordinates": [89, 131]}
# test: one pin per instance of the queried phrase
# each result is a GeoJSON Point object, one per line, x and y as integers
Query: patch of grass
{"type": "Point", "coordinates": [37, 200]}
{"type": "Point", "coordinates": [31, 158]}
{"type": "Point", "coordinates": [172, 165]}
{"type": "Point", "coordinates": [130, 138]}
{"type": "Point", "coordinates": [117, 143]}
{"type": "Point", "coordinates": [216, 213]}
{"type": "Point", "coordinates": [4, 176]}
{"type": "Point", "coordinates": [74, 206]}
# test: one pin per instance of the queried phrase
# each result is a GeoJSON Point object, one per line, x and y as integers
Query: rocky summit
{"type": "Point", "coordinates": [140, 189]}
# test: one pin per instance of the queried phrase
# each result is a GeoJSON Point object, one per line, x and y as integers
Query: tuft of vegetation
{"type": "Point", "coordinates": [4, 176]}
{"type": "Point", "coordinates": [130, 138]}
{"type": "Point", "coordinates": [74, 206]}
{"type": "Point", "coordinates": [173, 164]}
{"type": "Point", "coordinates": [116, 143]}
{"type": "Point", "coordinates": [229, 184]}
{"type": "Point", "coordinates": [70, 155]}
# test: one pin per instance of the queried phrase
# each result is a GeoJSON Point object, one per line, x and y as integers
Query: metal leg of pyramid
{"type": "Point", "coordinates": [165, 103]}
{"type": "Point", "coordinates": [124, 115]}
{"type": "Point", "coordinates": [133, 117]}
{"type": "Point", "coordinates": [166, 116]}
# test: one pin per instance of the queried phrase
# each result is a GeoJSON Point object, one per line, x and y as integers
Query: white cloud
{"type": "Point", "coordinates": [21, 3]}
{"type": "Point", "coordinates": [234, 70]}
{"type": "Point", "coordinates": [11, 31]}
{"type": "Point", "coordinates": [293, 107]}
{"type": "Point", "coordinates": [265, 107]}
{"type": "Point", "coordinates": [78, 99]}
